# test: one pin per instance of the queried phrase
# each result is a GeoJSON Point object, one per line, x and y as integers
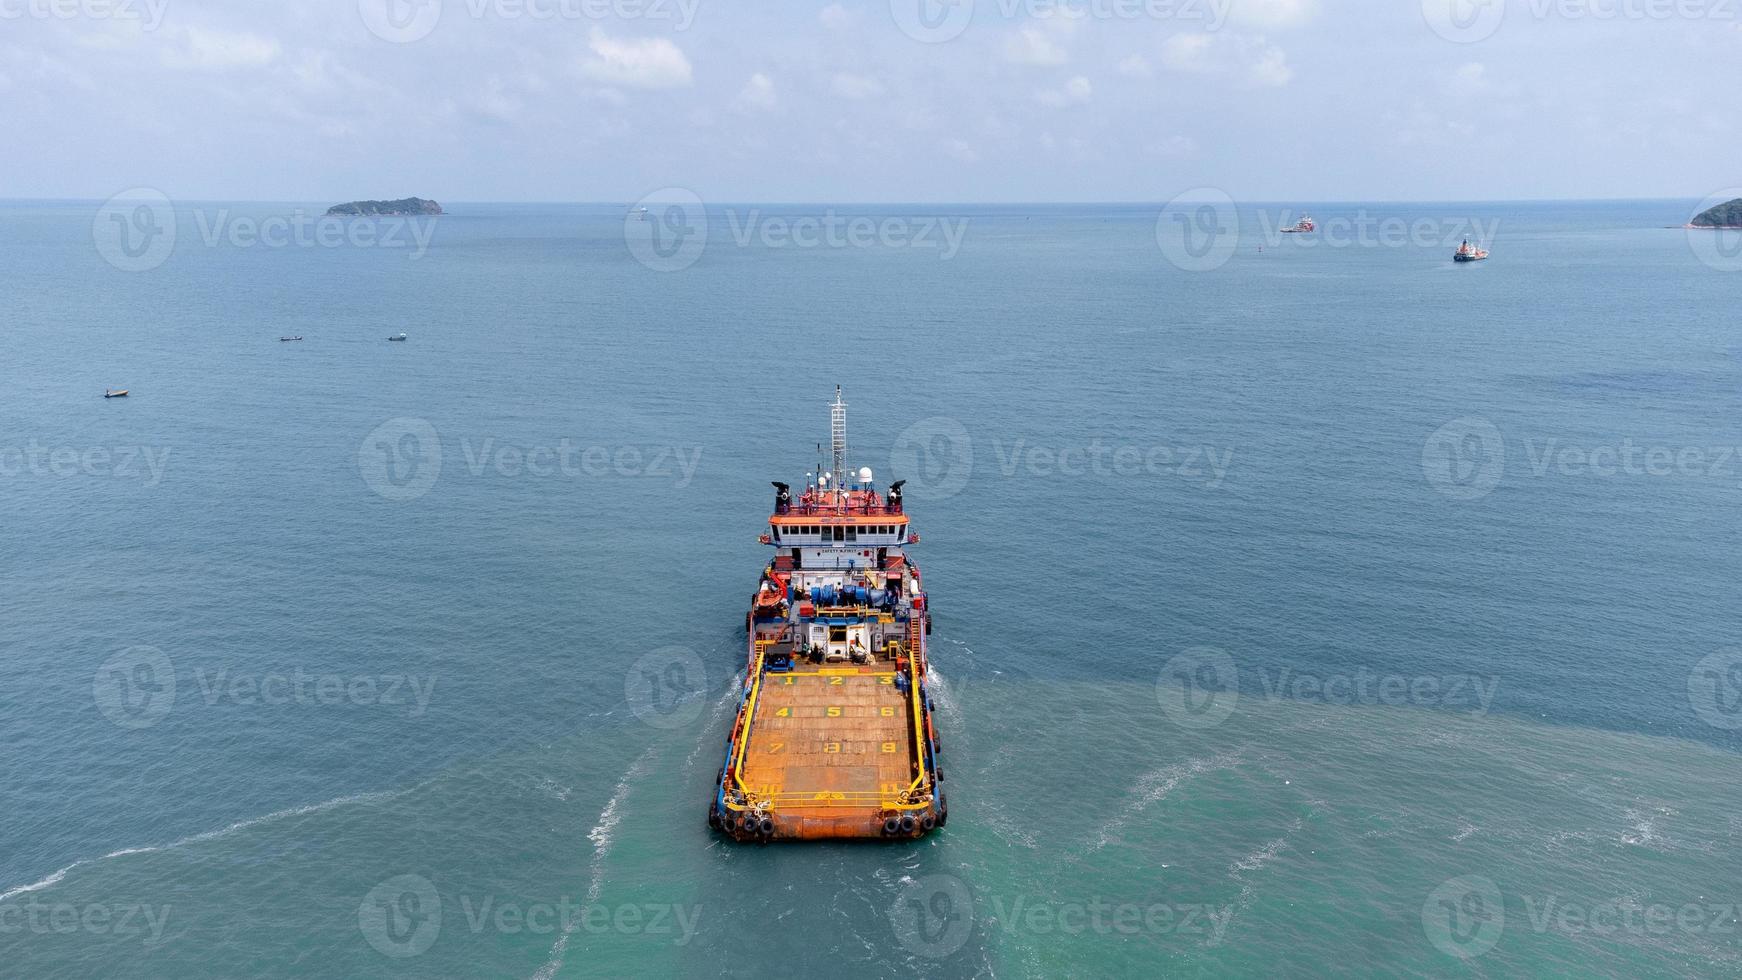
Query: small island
{"type": "Point", "coordinates": [407, 206]}
{"type": "Point", "coordinates": [1726, 215]}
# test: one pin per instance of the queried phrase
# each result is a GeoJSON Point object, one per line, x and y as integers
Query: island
{"type": "Point", "coordinates": [1727, 215]}
{"type": "Point", "coordinates": [410, 205]}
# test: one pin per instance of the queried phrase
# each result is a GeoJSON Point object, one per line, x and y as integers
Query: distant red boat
{"type": "Point", "coordinates": [1469, 253]}
{"type": "Point", "coordinates": [1301, 227]}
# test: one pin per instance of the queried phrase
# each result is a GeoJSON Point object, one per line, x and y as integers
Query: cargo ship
{"type": "Point", "coordinates": [1469, 253]}
{"type": "Point", "coordinates": [834, 736]}
{"type": "Point", "coordinates": [1302, 227]}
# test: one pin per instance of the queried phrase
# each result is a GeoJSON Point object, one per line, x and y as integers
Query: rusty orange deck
{"type": "Point", "coordinates": [826, 737]}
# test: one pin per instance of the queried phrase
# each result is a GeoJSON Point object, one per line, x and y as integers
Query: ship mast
{"type": "Point", "coordinates": [838, 439]}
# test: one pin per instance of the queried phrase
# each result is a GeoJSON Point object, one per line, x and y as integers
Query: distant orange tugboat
{"type": "Point", "coordinates": [1301, 227]}
{"type": "Point", "coordinates": [834, 736]}
{"type": "Point", "coordinates": [1469, 253]}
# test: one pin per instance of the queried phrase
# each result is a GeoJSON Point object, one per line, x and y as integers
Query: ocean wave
{"type": "Point", "coordinates": [602, 838]}
{"type": "Point", "coordinates": [1256, 860]}
{"type": "Point", "coordinates": [211, 835]}
{"type": "Point", "coordinates": [1154, 786]}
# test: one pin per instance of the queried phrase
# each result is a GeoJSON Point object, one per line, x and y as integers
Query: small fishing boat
{"type": "Point", "coordinates": [114, 392]}
{"type": "Point", "coordinates": [1469, 253]}
{"type": "Point", "coordinates": [286, 340]}
{"type": "Point", "coordinates": [397, 337]}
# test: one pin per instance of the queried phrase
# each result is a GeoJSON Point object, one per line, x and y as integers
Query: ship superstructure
{"type": "Point", "coordinates": [834, 735]}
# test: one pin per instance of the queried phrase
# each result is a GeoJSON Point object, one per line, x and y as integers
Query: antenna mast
{"type": "Point", "coordinates": [838, 437]}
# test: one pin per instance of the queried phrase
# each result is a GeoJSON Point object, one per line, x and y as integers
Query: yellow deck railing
{"type": "Point", "coordinates": [905, 800]}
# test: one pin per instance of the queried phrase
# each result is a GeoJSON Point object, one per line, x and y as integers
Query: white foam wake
{"type": "Point", "coordinates": [210, 835]}
{"type": "Point", "coordinates": [602, 839]}
{"type": "Point", "coordinates": [1153, 787]}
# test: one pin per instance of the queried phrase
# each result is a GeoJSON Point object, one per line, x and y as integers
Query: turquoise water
{"type": "Point", "coordinates": [1287, 669]}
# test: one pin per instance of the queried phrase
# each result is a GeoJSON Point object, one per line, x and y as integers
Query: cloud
{"type": "Point", "coordinates": [651, 63]}
{"type": "Point", "coordinates": [1175, 147]}
{"type": "Point", "coordinates": [1136, 66]}
{"type": "Point", "coordinates": [1041, 44]}
{"type": "Point", "coordinates": [1075, 92]}
{"type": "Point", "coordinates": [208, 50]}
{"type": "Point", "coordinates": [962, 150]}
{"type": "Point", "coordinates": [835, 17]}
{"type": "Point", "coordinates": [758, 93]}
{"type": "Point", "coordinates": [1253, 59]}
{"type": "Point", "coordinates": [850, 86]}
{"type": "Point", "coordinates": [1273, 14]}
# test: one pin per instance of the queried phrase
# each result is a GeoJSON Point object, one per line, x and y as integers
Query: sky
{"type": "Point", "coordinates": [870, 100]}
